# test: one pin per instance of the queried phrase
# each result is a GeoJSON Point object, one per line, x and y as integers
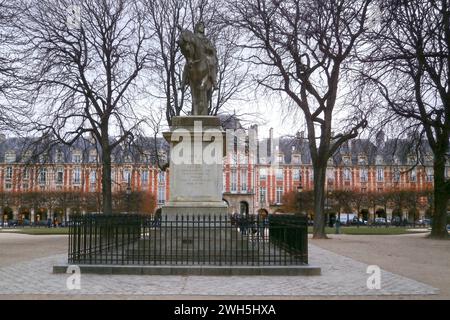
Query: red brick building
{"type": "Point", "coordinates": [251, 182]}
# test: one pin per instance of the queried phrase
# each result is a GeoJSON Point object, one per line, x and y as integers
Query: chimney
{"type": "Point", "coordinates": [270, 144]}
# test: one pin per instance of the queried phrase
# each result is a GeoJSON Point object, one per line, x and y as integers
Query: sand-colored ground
{"type": "Point", "coordinates": [413, 256]}
{"type": "Point", "coordinates": [410, 255]}
{"type": "Point", "coordinates": [16, 248]}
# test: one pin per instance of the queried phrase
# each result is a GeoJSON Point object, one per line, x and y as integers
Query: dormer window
{"type": "Point", "coordinates": [411, 160]}
{"type": "Point", "coordinates": [346, 160]}
{"type": "Point", "coordinates": [59, 156]}
{"type": "Point", "coordinates": [362, 160]}
{"type": "Point", "coordinates": [128, 159]}
{"type": "Point", "coordinates": [280, 158]}
{"type": "Point", "coordinates": [396, 160]}
{"type": "Point", "coordinates": [93, 156]}
{"type": "Point", "coordinates": [162, 155]}
{"type": "Point", "coordinates": [77, 157]}
{"type": "Point", "coordinates": [330, 162]}
{"type": "Point", "coordinates": [43, 158]}
{"type": "Point", "coordinates": [296, 159]}
{"type": "Point", "coordinates": [26, 156]}
{"type": "Point", "coordinates": [379, 160]}
{"type": "Point", "coordinates": [10, 157]}
{"type": "Point", "coordinates": [145, 158]}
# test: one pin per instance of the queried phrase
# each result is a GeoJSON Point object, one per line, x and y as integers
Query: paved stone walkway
{"type": "Point", "coordinates": [340, 276]}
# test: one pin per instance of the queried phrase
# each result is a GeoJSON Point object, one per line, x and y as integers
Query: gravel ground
{"type": "Point", "coordinates": [412, 256]}
{"type": "Point", "coordinates": [15, 248]}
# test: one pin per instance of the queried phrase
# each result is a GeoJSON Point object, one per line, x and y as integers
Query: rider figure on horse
{"type": "Point", "coordinates": [210, 51]}
{"type": "Point", "coordinates": [200, 70]}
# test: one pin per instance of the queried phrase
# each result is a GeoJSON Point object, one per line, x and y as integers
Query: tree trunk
{"type": "Point", "coordinates": [439, 225]}
{"type": "Point", "coordinates": [106, 176]}
{"type": "Point", "coordinates": [319, 200]}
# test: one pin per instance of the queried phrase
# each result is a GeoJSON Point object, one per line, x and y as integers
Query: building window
{"type": "Point", "coordinates": [162, 177]}
{"type": "Point", "coordinates": [363, 174]}
{"type": "Point", "coordinates": [9, 173]}
{"type": "Point", "coordinates": [126, 176]}
{"type": "Point", "coordinates": [279, 174]}
{"type": "Point", "coordinates": [244, 180]}
{"type": "Point", "coordinates": [279, 195]}
{"type": "Point", "coordinates": [59, 176]}
{"type": "Point", "coordinates": [413, 175]}
{"type": "Point", "coordinates": [233, 181]}
{"type": "Point", "coordinates": [43, 176]}
{"type": "Point", "coordinates": [25, 186]}
{"type": "Point", "coordinates": [161, 194]}
{"type": "Point", "coordinates": [8, 186]}
{"type": "Point", "coordinates": [26, 173]}
{"type": "Point", "coordinates": [76, 176]}
{"type": "Point", "coordinates": [262, 194]}
{"type": "Point", "coordinates": [380, 174]}
{"type": "Point", "coordinates": [430, 174]}
{"type": "Point", "coordinates": [144, 177]}
{"type": "Point", "coordinates": [296, 174]}
{"type": "Point", "coordinates": [262, 173]}
{"type": "Point", "coordinates": [330, 174]}
{"type": "Point", "coordinates": [347, 174]}
{"type": "Point", "coordinates": [396, 175]}
{"type": "Point", "coordinates": [93, 177]}
{"type": "Point", "coordinates": [296, 159]}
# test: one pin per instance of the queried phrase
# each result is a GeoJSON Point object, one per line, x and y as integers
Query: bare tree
{"type": "Point", "coordinates": [10, 116]}
{"type": "Point", "coordinates": [301, 48]}
{"type": "Point", "coordinates": [165, 16]}
{"type": "Point", "coordinates": [408, 65]}
{"type": "Point", "coordinates": [82, 71]}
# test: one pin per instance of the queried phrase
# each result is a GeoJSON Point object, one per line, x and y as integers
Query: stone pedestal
{"type": "Point", "coordinates": [196, 176]}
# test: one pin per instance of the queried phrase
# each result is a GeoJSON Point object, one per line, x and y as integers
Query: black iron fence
{"type": "Point", "coordinates": [201, 240]}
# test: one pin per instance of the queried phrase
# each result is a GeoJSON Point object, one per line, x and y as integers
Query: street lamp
{"type": "Point", "coordinates": [128, 192]}
{"type": "Point", "coordinates": [299, 190]}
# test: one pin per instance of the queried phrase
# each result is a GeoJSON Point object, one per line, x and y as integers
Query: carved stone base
{"type": "Point", "coordinates": [196, 182]}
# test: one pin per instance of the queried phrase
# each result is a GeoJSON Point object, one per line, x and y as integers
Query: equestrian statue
{"type": "Point", "coordinates": [200, 70]}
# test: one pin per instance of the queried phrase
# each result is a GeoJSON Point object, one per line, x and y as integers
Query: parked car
{"type": "Point", "coordinates": [381, 221]}
{"type": "Point", "coordinates": [13, 223]}
{"type": "Point", "coordinates": [424, 222]}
